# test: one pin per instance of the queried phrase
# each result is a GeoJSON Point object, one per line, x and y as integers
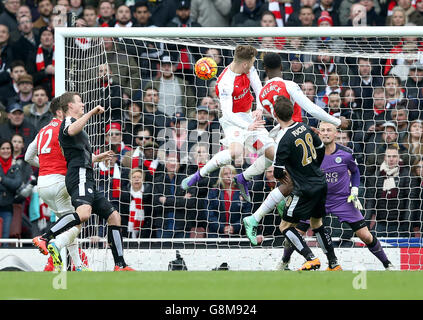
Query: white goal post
{"type": "Point", "coordinates": [385, 39]}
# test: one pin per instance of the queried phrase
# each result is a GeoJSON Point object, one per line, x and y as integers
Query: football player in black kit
{"type": "Point", "coordinates": [79, 180]}
{"type": "Point", "coordinates": [300, 153]}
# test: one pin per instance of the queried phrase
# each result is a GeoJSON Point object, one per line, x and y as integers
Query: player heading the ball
{"type": "Point", "coordinates": [241, 126]}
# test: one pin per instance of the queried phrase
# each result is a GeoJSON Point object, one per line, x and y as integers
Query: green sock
{"type": "Point", "coordinates": [281, 207]}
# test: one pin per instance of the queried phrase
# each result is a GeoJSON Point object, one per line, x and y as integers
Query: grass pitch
{"type": "Point", "coordinates": [212, 285]}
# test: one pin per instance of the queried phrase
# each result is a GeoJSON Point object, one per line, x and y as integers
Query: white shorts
{"type": "Point", "coordinates": [255, 141]}
{"type": "Point", "coordinates": [52, 190]}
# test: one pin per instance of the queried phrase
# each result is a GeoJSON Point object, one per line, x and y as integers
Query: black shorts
{"type": "Point", "coordinates": [82, 190]}
{"type": "Point", "coordinates": [304, 207]}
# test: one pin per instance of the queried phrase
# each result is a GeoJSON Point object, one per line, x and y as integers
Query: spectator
{"type": "Point", "coordinates": [226, 208]}
{"type": "Point", "coordinates": [293, 19]}
{"type": "Point", "coordinates": [162, 12]}
{"type": "Point", "coordinates": [331, 7]}
{"type": "Point", "coordinates": [151, 116]}
{"type": "Point", "coordinates": [76, 7]}
{"type": "Point", "coordinates": [8, 17]}
{"type": "Point", "coordinates": [89, 14]}
{"type": "Point", "coordinates": [38, 113]}
{"type": "Point", "coordinates": [413, 142]}
{"type": "Point", "coordinates": [334, 84]}
{"type": "Point", "coordinates": [10, 181]}
{"type": "Point", "coordinates": [142, 136]}
{"type": "Point", "coordinates": [136, 208]}
{"type": "Point", "coordinates": [17, 124]}
{"type": "Point", "coordinates": [364, 82]}
{"type": "Point", "coordinates": [41, 62]}
{"type": "Point", "coordinates": [407, 6]}
{"type": "Point", "coordinates": [309, 89]}
{"type": "Point", "coordinates": [10, 88]}
{"type": "Point", "coordinates": [149, 161]}
{"type": "Point", "coordinates": [29, 39]}
{"type": "Point", "coordinates": [201, 130]}
{"type": "Point", "coordinates": [176, 138]}
{"type": "Point", "coordinates": [262, 186]}
{"type": "Point", "coordinates": [249, 14]}
{"type": "Point", "coordinates": [19, 157]}
{"type": "Point", "coordinates": [401, 119]}
{"type": "Point", "coordinates": [123, 17]}
{"type": "Point", "coordinates": [131, 119]}
{"type": "Point", "coordinates": [416, 198]}
{"type": "Point", "coordinates": [23, 10]}
{"type": "Point", "coordinates": [174, 210]}
{"type": "Point", "coordinates": [414, 80]}
{"type": "Point", "coordinates": [45, 8]}
{"type": "Point", "coordinates": [368, 9]}
{"type": "Point", "coordinates": [25, 87]}
{"type": "Point", "coordinates": [113, 139]}
{"type": "Point", "coordinates": [106, 14]}
{"type": "Point", "coordinates": [306, 18]}
{"type": "Point", "coordinates": [322, 67]}
{"type": "Point", "coordinates": [376, 144]}
{"type": "Point", "coordinates": [336, 109]}
{"type": "Point", "coordinates": [124, 69]}
{"type": "Point", "coordinates": [6, 55]}
{"type": "Point", "coordinates": [387, 197]}
{"type": "Point", "coordinates": [18, 146]}
{"type": "Point", "coordinates": [373, 119]}
{"type": "Point", "coordinates": [213, 106]}
{"type": "Point", "coordinates": [296, 69]}
{"type": "Point", "coordinates": [268, 19]}
{"type": "Point", "coordinates": [416, 17]}
{"type": "Point", "coordinates": [174, 94]}
{"type": "Point", "coordinates": [112, 95]}
{"type": "Point", "coordinates": [211, 13]}
{"type": "Point", "coordinates": [142, 15]}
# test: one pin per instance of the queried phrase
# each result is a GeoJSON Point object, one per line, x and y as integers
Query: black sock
{"type": "Point", "coordinates": [297, 241]}
{"type": "Point", "coordinates": [64, 223]}
{"type": "Point", "coordinates": [325, 243]}
{"type": "Point", "coordinates": [114, 238]}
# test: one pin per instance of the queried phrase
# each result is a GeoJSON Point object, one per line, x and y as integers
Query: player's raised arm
{"type": "Point", "coordinates": [299, 97]}
{"type": "Point", "coordinates": [31, 154]}
{"type": "Point", "coordinates": [256, 84]}
{"type": "Point", "coordinates": [76, 127]}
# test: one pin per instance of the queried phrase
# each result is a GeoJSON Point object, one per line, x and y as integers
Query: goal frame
{"type": "Point", "coordinates": [60, 33]}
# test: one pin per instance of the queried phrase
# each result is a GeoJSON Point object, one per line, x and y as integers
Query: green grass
{"type": "Point", "coordinates": [211, 285]}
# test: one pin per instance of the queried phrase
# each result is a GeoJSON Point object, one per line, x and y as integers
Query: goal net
{"type": "Point", "coordinates": [162, 119]}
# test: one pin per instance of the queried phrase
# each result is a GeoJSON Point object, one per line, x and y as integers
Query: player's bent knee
{"type": "Point", "coordinates": [84, 212]}
{"type": "Point", "coordinates": [364, 235]}
{"type": "Point", "coordinates": [114, 219]}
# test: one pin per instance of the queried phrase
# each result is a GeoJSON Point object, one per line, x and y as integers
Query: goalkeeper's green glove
{"type": "Point", "coordinates": [354, 198]}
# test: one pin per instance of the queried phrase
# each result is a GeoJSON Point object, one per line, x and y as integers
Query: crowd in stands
{"type": "Point", "coordinates": [162, 121]}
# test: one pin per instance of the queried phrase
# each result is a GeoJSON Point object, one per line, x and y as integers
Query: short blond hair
{"type": "Point", "coordinates": [245, 52]}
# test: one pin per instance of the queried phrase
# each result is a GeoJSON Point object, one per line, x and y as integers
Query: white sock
{"type": "Point", "coordinates": [66, 238]}
{"type": "Point", "coordinates": [269, 204]}
{"type": "Point", "coordinates": [220, 159]}
{"type": "Point", "coordinates": [258, 167]}
{"type": "Point", "coordinates": [74, 253]}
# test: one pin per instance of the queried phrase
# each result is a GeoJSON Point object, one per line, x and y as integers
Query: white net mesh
{"type": "Point", "coordinates": [375, 82]}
